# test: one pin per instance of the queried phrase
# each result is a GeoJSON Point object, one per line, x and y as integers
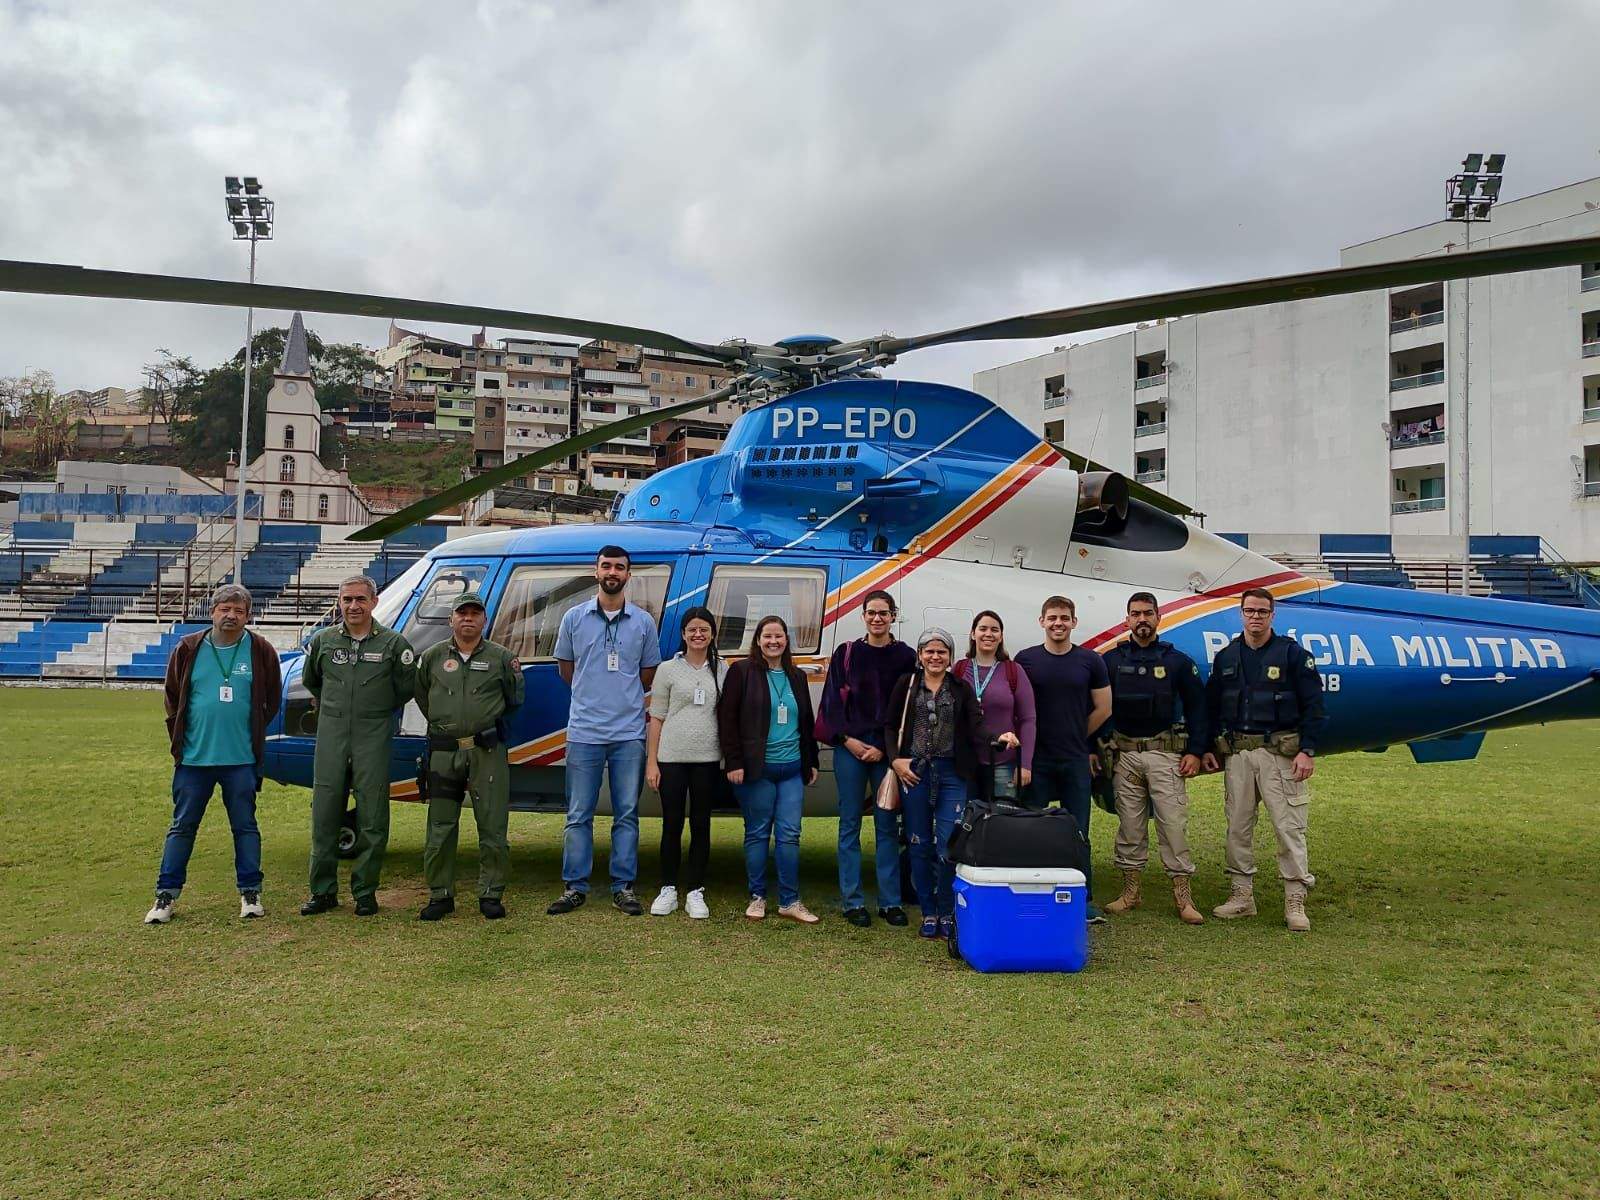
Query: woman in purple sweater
{"type": "Point", "coordinates": [1006, 697]}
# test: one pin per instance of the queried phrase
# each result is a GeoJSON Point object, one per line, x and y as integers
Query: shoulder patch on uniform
{"type": "Point", "coordinates": [1310, 662]}
{"type": "Point", "coordinates": [1194, 668]}
{"type": "Point", "coordinates": [407, 656]}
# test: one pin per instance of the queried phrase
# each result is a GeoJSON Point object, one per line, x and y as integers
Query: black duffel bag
{"type": "Point", "coordinates": [992, 834]}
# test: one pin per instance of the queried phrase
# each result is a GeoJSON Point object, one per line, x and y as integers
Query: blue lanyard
{"type": "Point", "coordinates": [981, 682]}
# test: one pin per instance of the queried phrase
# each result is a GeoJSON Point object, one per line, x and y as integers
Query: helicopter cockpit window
{"type": "Point", "coordinates": [537, 597]}
{"type": "Point", "coordinates": [430, 621]}
{"type": "Point", "coordinates": [741, 596]}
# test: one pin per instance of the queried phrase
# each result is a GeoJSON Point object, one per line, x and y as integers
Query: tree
{"type": "Point", "coordinates": [32, 399]}
{"type": "Point", "coordinates": [171, 378]}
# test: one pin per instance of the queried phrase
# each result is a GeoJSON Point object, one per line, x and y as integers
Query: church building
{"type": "Point", "coordinates": [289, 475]}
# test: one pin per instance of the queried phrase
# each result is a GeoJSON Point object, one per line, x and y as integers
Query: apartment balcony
{"type": "Point", "coordinates": [1591, 489]}
{"type": "Point", "coordinates": [1150, 381]}
{"type": "Point", "coordinates": [1420, 321]}
{"type": "Point", "coordinates": [1151, 477]}
{"type": "Point", "coordinates": [1150, 430]}
{"type": "Point", "coordinates": [1406, 383]}
{"type": "Point", "coordinates": [1398, 442]}
{"type": "Point", "coordinates": [600, 375]}
{"type": "Point", "coordinates": [1591, 414]}
{"type": "Point", "coordinates": [1591, 349]}
{"type": "Point", "coordinates": [1591, 279]}
{"type": "Point", "coordinates": [1055, 400]}
{"type": "Point", "coordinates": [1402, 507]}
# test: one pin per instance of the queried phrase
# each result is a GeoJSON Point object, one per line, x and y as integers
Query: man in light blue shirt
{"type": "Point", "coordinates": [607, 651]}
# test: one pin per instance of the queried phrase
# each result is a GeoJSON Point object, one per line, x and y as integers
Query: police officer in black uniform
{"type": "Point", "coordinates": [1264, 702]}
{"type": "Point", "coordinates": [1157, 738]}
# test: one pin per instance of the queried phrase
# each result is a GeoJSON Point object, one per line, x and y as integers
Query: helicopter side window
{"type": "Point", "coordinates": [430, 622]}
{"type": "Point", "coordinates": [536, 597]}
{"type": "Point", "coordinates": [741, 596]}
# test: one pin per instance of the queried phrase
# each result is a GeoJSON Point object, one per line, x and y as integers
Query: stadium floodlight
{"type": "Point", "coordinates": [1469, 197]}
{"type": "Point", "coordinates": [250, 213]}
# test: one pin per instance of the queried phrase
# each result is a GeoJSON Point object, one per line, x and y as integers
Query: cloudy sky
{"type": "Point", "coordinates": [748, 168]}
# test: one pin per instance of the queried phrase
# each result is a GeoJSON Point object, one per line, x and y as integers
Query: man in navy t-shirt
{"type": "Point", "coordinates": [1072, 695]}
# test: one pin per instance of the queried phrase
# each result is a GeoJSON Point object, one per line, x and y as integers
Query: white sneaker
{"type": "Point", "coordinates": [695, 905]}
{"type": "Point", "coordinates": [250, 905]}
{"type": "Point", "coordinates": [666, 902]}
{"type": "Point", "coordinates": [161, 911]}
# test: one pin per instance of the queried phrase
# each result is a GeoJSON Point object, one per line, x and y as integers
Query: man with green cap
{"type": "Point", "coordinates": [467, 688]}
{"type": "Point", "coordinates": [360, 675]}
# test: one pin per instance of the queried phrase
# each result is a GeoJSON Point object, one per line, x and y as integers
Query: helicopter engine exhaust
{"type": "Point", "coordinates": [1103, 491]}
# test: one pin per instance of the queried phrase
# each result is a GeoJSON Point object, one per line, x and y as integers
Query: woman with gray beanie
{"type": "Point", "coordinates": [935, 747]}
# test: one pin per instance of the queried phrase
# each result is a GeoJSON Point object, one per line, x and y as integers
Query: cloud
{"type": "Point", "coordinates": [750, 169]}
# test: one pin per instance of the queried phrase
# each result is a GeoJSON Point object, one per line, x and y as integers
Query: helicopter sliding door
{"type": "Point", "coordinates": [528, 609]}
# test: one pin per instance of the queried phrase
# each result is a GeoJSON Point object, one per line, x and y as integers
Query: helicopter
{"type": "Point", "coordinates": [835, 482]}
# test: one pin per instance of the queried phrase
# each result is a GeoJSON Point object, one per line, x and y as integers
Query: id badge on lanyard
{"type": "Point", "coordinates": [700, 695]}
{"type": "Point", "coordinates": [225, 693]}
{"type": "Point", "coordinates": [783, 713]}
{"type": "Point", "coordinates": [613, 661]}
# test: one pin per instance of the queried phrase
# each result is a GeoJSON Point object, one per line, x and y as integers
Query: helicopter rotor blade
{"type": "Point", "coordinates": [1312, 284]}
{"type": "Point", "coordinates": [57, 280]}
{"type": "Point", "coordinates": [483, 482]}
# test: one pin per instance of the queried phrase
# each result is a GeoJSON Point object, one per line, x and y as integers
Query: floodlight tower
{"type": "Point", "coordinates": [250, 214]}
{"type": "Point", "coordinates": [1469, 197]}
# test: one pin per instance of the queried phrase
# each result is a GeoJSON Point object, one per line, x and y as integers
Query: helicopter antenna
{"type": "Point", "coordinates": [1095, 436]}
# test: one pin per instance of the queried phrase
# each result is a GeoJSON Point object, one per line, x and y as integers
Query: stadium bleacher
{"type": "Point", "coordinates": [106, 602]}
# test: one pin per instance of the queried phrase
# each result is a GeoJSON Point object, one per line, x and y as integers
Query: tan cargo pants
{"type": "Point", "coordinates": [1262, 776]}
{"type": "Point", "coordinates": [1146, 782]}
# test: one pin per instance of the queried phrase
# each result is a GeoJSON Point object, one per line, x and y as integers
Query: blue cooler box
{"type": "Point", "coordinates": [1022, 918]}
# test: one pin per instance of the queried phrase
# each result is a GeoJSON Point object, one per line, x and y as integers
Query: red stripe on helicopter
{"type": "Point", "coordinates": [1279, 579]}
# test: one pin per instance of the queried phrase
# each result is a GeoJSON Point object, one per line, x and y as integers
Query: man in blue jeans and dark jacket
{"type": "Point", "coordinates": [223, 687]}
{"type": "Point", "coordinates": [861, 675]}
{"type": "Point", "coordinates": [1072, 696]}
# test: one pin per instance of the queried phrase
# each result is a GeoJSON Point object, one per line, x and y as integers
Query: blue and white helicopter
{"type": "Point", "coordinates": [835, 482]}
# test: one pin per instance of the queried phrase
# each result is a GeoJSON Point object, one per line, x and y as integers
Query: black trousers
{"type": "Point", "coordinates": [693, 786]}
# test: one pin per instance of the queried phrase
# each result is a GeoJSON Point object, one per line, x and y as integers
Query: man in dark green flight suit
{"type": "Point", "coordinates": [360, 674]}
{"type": "Point", "coordinates": [467, 688]}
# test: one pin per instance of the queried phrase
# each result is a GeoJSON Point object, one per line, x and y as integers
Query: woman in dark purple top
{"type": "Point", "coordinates": [1006, 698]}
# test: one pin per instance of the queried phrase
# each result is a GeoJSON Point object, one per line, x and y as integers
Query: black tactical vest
{"type": "Point", "coordinates": [1143, 689]}
{"type": "Point", "coordinates": [1271, 702]}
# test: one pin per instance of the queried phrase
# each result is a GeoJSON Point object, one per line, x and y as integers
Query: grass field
{"type": "Point", "coordinates": [1437, 1034]}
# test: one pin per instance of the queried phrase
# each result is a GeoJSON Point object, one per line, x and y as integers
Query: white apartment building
{"type": "Point", "coordinates": [1345, 415]}
{"type": "Point", "coordinates": [534, 381]}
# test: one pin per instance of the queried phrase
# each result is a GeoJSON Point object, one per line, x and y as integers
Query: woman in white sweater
{"type": "Point", "coordinates": [683, 760]}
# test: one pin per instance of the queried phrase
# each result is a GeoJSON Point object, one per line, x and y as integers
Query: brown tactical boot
{"type": "Point", "coordinates": [1187, 912]}
{"type": "Point", "coordinates": [1294, 908]}
{"type": "Point", "coordinates": [1242, 902]}
{"type": "Point", "coordinates": [1130, 898]}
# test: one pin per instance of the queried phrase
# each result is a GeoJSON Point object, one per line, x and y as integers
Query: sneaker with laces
{"type": "Point", "coordinates": [695, 904]}
{"type": "Point", "coordinates": [799, 912]}
{"type": "Point", "coordinates": [250, 905]}
{"type": "Point", "coordinates": [756, 910]}
{"type": "Point", "coordinates": [161, 911]}
{"type": "Point", "coordinates": [1095, 916]}
{"type": "Point", "coordinates": [569, 901]}
{"type": "Point", "coordinates": [624, 901]}
{"type": "Point", "coordinates": [665, 903]}
{"type": "Point", "coordinates": [930, 927]}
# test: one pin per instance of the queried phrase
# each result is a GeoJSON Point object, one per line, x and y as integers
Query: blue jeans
{"type": "Point", "coordinates": [191, 792]}
{"type": "Point", "coordinates": [773, 803]}
{"type": "Point", "coordinates": [1066, 784]}
{"type": "Point", "coordinates": [932, 809]}
{"type": "Point", "coordinates": [858, 783]}
{"type": "Point", "coordinates": [585, 763]}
